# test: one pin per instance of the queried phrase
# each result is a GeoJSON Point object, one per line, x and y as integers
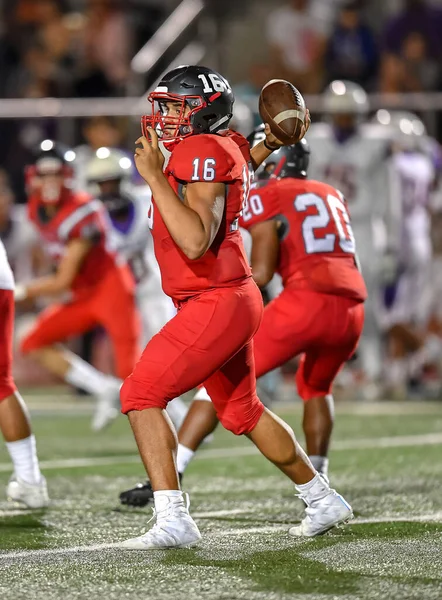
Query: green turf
{"type": "Point", "coordinates": [244, 507]}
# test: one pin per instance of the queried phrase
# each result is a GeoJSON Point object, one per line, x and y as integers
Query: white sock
{"type": "Point", "coordinates": [314, 489]}
{"type": "Point", "coordinates": [23, 454]}
{"type": "Point", "coordinates": [202, 395]}
{"type": "Point", "coordinates": [177, 411]}
{"type": "Point", "coordinates": [183, 458]}
{"type": "Point", "coordinates": [320, 463]}
{"type": "Point", "coordinates": [86, 377]}
{"type": "Point", "coordinates": [163, 498]}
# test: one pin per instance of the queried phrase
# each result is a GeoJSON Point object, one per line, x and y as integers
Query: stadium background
{"type": "Point", "coordinates": [79, 71]}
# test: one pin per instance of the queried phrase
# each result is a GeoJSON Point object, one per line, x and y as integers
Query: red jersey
{"type": "Point", "coordinates": [78, 216]}
{"type": "Point", "coordinates": [317, 247]}
{"type": "Point", "coordinates": [207, 158]}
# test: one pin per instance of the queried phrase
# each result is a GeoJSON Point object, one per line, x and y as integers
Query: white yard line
{"type": "Point", "coordinates": [426, 439]}
{"type": "Point", "coordinates": [238, 531]}
{"type": "Point", "coordinates": [65, 403]}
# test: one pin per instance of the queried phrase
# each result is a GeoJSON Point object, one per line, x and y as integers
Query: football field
{"type": "Point", "coordinates": [386, 460]}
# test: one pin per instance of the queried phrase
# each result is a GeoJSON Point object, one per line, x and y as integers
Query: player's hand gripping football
{"type": "Point", "coordinates": [273, 142]}
{"type": "Point", "coordinates": [149, 159]}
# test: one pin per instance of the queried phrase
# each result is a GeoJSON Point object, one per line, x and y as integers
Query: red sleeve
{"type": "Point", "coordinates": [87, 222]}
{"type": "Point", "coordinates": [205, 158]}
{"type": "Point", "coordinates": [260, 206]}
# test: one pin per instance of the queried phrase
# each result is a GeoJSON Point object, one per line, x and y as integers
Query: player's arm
{"type": "Point", "coordinates": [265, 251]}
{"type": "Point", "coordinates": [193, 224]}
{"type": "Point", "coordinates": [61, 281]}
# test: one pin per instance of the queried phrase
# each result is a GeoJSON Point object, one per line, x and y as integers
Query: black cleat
{"type": "Point", "coordinates": [140, 495]}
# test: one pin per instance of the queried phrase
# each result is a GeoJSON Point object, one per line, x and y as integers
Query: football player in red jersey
{"type": "Point", "coordinates": [197, 201]}
{"type": "Point", "coordinates": [301, 230]}
{"type": "Point", "coordinates": [99, 285]}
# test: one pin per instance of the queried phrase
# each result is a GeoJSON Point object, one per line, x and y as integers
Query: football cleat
{"type": "Point", "coordinates": [27, 494]}
{"type": "Point", "coordinates": [107, 407]}
{"type": "Point", "coordinates": [322, 514]}
{"type": "Point", "coordinates": [173, 528]}
{"type": "Point", "coordinates": [140, 495]}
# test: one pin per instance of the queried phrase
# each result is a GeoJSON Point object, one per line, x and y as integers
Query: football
{"type": "Point", "coordinates": [282, 106]}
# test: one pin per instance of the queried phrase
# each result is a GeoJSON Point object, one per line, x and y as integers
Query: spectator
{"type": "Point", "coordinates": [246, 92]}
{"type": "Point", "coordinates": [414, 70]}
{"type": "Point", "coordinates": [36, 76]}
{"type": "Point", "coordinates": [352, 52]}
{"type": "Point", "coordinates": [412, 48]}
{"type": "Point", "coordinates": [106, 41]}
{"type": "Point", "coordinates": [297, 39]}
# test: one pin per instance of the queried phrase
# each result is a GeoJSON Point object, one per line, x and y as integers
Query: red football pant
{"type": "Point", "coordinates": [7, 385]}
{"type": "Point", "coordinates": [325, 328]}
{"type": "Point", "coordinates": [112, 306]}
{"type": "Point", "coordinates": [209, 340]}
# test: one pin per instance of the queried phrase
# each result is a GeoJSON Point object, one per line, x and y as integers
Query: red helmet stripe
{"type": "Point", "coordinates": [214, 96]}
{"type": "Point", "coordinates": [277, 170]}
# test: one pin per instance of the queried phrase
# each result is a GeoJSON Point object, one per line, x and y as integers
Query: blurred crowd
{"type": "Point", "coordinates": [72, 48]}
{"type": "Point", "coordinates": [314, 42]}
{"type": "Point", "coordinates": [83, 48]}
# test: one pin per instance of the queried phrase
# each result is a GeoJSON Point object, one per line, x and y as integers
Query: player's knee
{"type": "Point", "coordinates": [240, 416]}
{"type": "Point", "coordinates": [136, 396]}
{"type": "Point", "coordinates": [308, 390]}
{"type": "Point", "coordinates": [7, 385]}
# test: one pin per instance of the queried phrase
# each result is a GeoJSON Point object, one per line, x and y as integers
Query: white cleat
{"type": "Point", "coordinates": [323, 514]}
{"type": "Point", "coordinates": [107, 408]}
{"type": "Point", "coordinates": [30, 495]}
{"type": "Point", "coordinates": [174, 528]}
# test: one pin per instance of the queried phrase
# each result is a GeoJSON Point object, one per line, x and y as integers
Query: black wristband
{"type": "Point", "coordinates": [272, 149]}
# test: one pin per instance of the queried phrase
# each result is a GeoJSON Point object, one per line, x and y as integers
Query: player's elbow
{"type": "Point", "coordinates": [195, 251]}
{"type": "Point", "coordinates": [196, 247]}
{"type": "Point", "coordinates": [61, 284]}
{"type": "Point", "coordinates": [262, 276]}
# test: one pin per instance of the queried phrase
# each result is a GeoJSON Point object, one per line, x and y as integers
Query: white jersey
{"type": "Point", "coordinates": [18, 241]}
{"type": "Point", "coordinates": [134, 240]}
{"type": "Point", "coordinates": [135, 243]}
{"type": "Point", "coordinates": [412, 179]}
{"type": "Point", "coordinates": [359, 168]}
{"type": "Point", "coordinates": [6, 277]}
{"type": "Point", "coordinates": [414, 176]}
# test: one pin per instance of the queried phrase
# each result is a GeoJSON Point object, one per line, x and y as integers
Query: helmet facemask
{"type": "Point", "coordinates": [51, 183]}
{"type": "Point", "coordinates": [171, 128]}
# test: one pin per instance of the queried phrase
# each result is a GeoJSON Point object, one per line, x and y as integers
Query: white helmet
{"type": "Point", "coordinates": [345, 97]}
{"type": "Point", "coordinates": [407, 129]}
{"type": "Point", "coordinates": [109, 164]}
{"type": "Point", "coordinates": [242, 119]}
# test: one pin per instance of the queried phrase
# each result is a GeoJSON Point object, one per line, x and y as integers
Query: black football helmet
{"type": "Point", "coordinates": [204, 99]}
{"type": "Point", "coordinates": [287, 161]}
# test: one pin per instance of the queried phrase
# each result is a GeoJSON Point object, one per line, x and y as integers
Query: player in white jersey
{"type": "Point", "coordinates": [19, 237]}
{"type": "Point", "coordinates": [352, 156]}
{"type": "Point", "coordinates": [406, 300]}
{"type": "Point", "coordinates": [129, 208]}
{"type": "Point", "coordinates": [27, 485]}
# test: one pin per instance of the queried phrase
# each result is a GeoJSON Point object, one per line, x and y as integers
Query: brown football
{"type": "Point", "coordinates": [282, 106]}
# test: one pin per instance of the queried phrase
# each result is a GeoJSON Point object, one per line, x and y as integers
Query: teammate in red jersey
{"type": "Point", "coordinates": [301, 230]}
{"type": "Point", "coordinates": [27, 485]}
{"type": "Point", "coordinates": [99, 286]}
{"type": "Point", "coordinates": [197, 201]}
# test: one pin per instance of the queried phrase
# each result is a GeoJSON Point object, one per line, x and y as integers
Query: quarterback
{"type": "Point", "coordinates": [197, 201]}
